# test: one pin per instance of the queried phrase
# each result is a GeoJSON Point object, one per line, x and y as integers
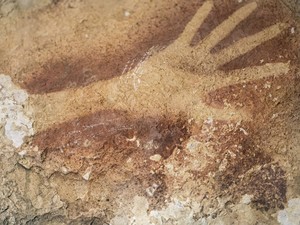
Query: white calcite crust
{"type": "Point", "coordinates": [14, 115]}
{"type": "Point", "coordinates": [291, 214]}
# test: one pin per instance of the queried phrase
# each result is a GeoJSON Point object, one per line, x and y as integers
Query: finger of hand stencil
{"type": "Point", "coordinates": [192, 27]}
{"type": "Point", "coordinates": [251, 74]}
{"type": "Point", "coordinates": [225, 28]}
{"type": "Point", "coordinates": [247, 44]}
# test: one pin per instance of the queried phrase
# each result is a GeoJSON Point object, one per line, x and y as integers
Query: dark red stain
{"type": "Point", "coordinates": [249, 169]}
{"type": "Point", "coordinates": [222, 9]}
{"type": "Point", "coordinates": [268, 185]}
{"type": "Point", "coordinates": [106, 141]}
{"type": "Point", "coordinates": [93, 65]}
{"type": "Point", "coordinates": [267, 13]}
{"type": "Point", "coordinates": [108, 137]}
{"type": "Point", "coordinates": [101, 139]}
{"type": "Point", "coordinates": [285, 50]}
{"type": "Point", "coordinates": [255, 96]}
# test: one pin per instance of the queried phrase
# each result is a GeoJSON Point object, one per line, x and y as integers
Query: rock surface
{"type": "Point", "coordinates": [149, 112]}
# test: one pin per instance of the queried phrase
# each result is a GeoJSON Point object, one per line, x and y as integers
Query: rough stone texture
{"type": "Point", "coordinates": [290, 215]}
{"type": "Point", "coordinates": [149, 112]}
{"type": "Point", "coordinates": [13, 118]}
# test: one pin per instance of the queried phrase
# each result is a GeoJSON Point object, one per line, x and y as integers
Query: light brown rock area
{"type": "Point", "coordinates": [149, 112]}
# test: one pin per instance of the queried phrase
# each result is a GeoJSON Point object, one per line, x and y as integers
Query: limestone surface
{"type": "Point", "coordinates": [149, 112]}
